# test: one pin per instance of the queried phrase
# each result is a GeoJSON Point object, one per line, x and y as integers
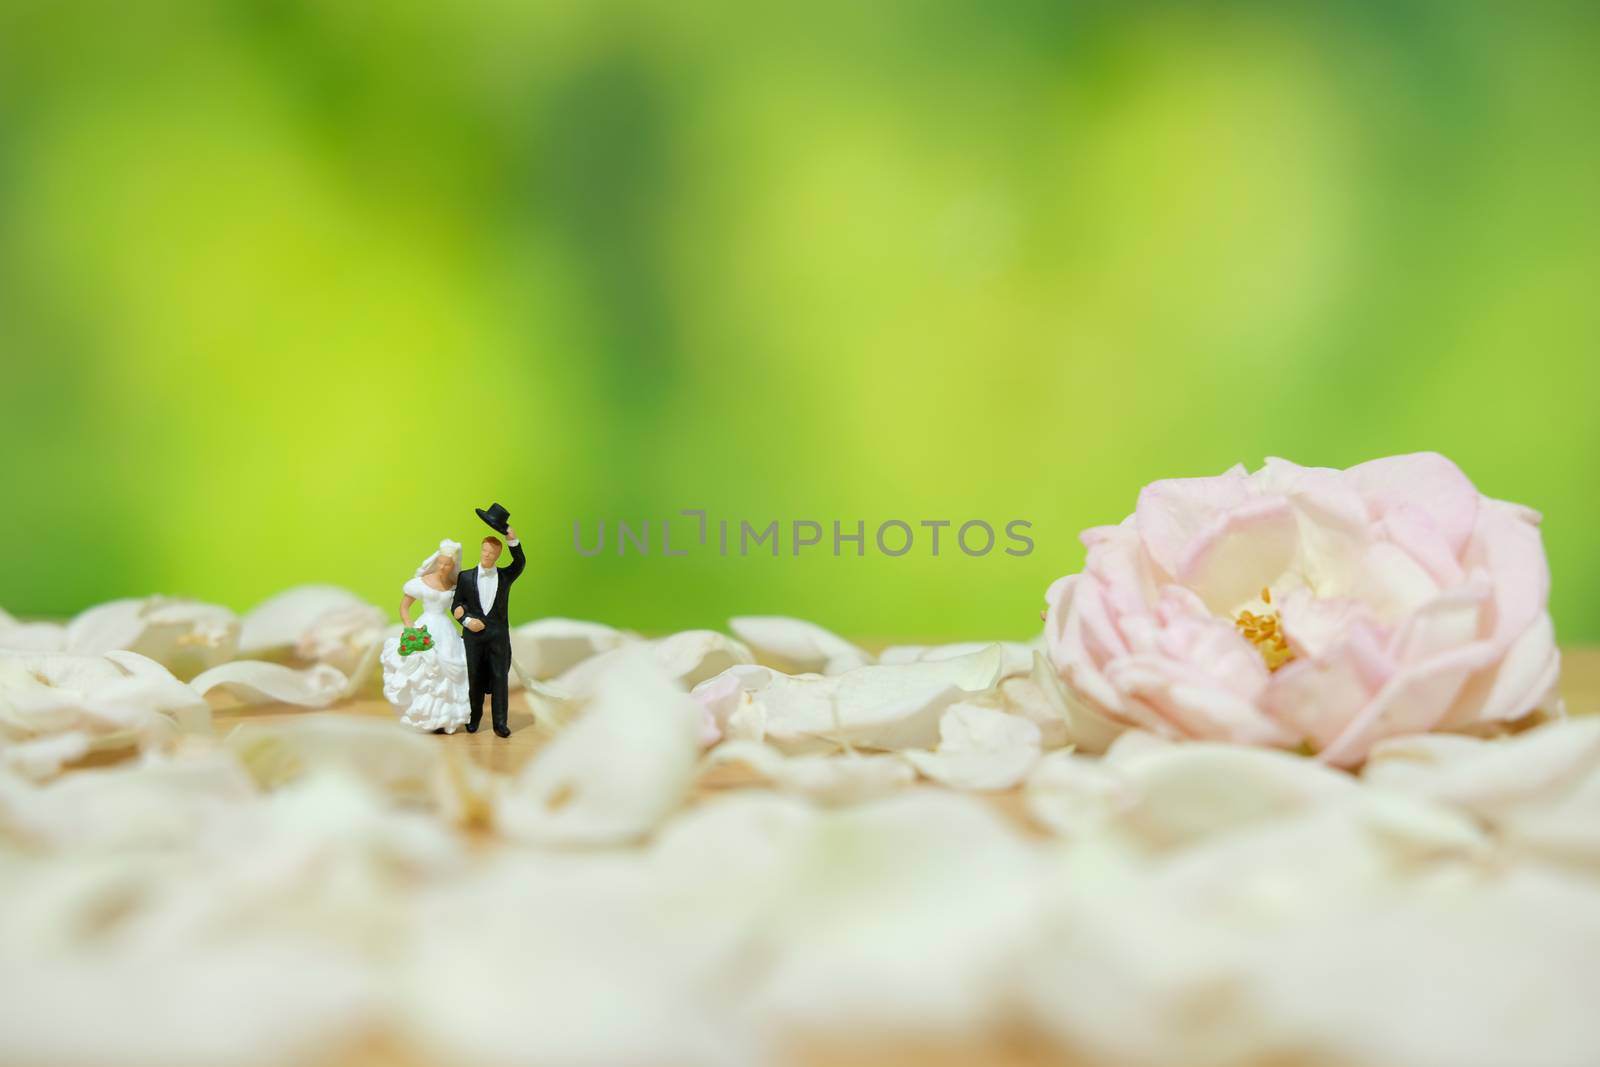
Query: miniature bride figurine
{"type": "Point", "coordinates": [430, 687]}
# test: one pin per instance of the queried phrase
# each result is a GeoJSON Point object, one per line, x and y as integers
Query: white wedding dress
{"type": "Point", "coordinates": [429, 688]}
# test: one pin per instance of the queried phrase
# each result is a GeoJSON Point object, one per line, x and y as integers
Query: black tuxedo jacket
{"type": "Point", "coordinates": [493, 615]}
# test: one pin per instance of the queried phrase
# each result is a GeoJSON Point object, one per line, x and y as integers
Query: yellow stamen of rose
{"type": "Point", "coordinates": [1263, 632]}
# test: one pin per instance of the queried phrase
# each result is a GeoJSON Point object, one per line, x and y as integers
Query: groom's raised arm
{"type": "Point", "coordinates": [457, 608]}
{"type": "Point", "coordinates": [519, 559]}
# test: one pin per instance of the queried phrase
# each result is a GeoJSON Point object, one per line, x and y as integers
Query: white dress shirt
{"type": "Point", "coordinates": [488, 586]}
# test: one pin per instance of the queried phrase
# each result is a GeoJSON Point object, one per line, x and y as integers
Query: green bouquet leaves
{"type": "Point", "coordinates": [415, 640]}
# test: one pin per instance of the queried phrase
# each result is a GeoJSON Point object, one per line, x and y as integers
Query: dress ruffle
{"type": "Point", "coordinates": [429, 688]}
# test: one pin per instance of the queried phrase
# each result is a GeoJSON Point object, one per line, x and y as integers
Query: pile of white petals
{"type": "Point", "coordinates": [731, 845]}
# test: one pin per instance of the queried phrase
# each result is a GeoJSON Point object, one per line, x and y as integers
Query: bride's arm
{"type": "Point", "coordinates": [405, 609]}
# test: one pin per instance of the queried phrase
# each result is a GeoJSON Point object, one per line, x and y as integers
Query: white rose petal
{"type": "Point", "coordinates": [979, 749]}
{"type": "Point", "coordinates": [546, 648]}
{"type": "Point", "coordinates": [18, 636]}
{"type": "Point", "coordinates": [184, 636]}
{"type": "Point", "coordinates": [1491, 778]}
{"type": "Point", "coordinates": [796, 646]}
{"type": "Point", "coordinates": [256, 682]}
{"type": "Point", "coordinates": [1189, 792]}
{"type": "Point", "coordinates": [884, 707]}
{"type": "Point", "coordinates": [688, 658]}
{"type": "Point", "coordinates": [382, 753]}
{"type": "Point", "coordinates": [349, 640]}
{"type": "Point", "coordinates": [43, 757]}
{"type": "Point", "coordinates": [1086, 729]}
{"type": "Point", "coordinates": [1491, 978]}
{"type": "Point", "coordinates": [1073, 794]}
{"type": "Point", "coordinates": [1016, 657]}
{"type": "Point", "coordinates": [1022, 695]}
{"type": "Point", "coordinates": [119, 698]}
{"type": "Point", "coordinates": [167, 804]}
{"type": "Point", "coordinates": [692, 656]}
{"type": "Point", "coordinates": [621, 767]}
{"type": "Point", "coordinates": [528, 961]}
{"type": "Point", "coordinates": [849, 778]}
{"type": "Point", "coordinates": [203, 1006]}
{"type": "Point", "coordinates": [902, 915]}
{"type": "Point", "coordinates": [283, 621]}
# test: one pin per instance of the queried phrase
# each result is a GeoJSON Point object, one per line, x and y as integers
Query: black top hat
{"type": "Point", "coordinates": [496, 516]}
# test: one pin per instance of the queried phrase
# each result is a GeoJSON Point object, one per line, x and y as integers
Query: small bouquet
{"type": "Point", "coordinates": [415, 640]}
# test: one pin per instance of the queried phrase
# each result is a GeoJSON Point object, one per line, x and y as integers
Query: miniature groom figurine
{"type": "Point", "coordinates": [482, 596]}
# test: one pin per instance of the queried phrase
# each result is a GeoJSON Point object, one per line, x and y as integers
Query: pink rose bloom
{"type": "Point", "coordinates": [1305, 605]}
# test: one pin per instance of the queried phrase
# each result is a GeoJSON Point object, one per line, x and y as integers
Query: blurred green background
{"type": "Point", "coordinates": [286, 288]}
